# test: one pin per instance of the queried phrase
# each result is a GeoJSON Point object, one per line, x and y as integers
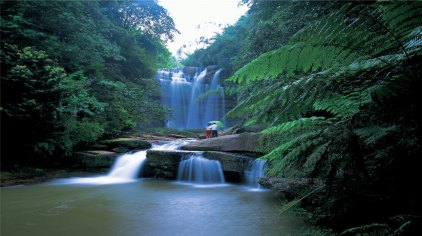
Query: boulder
{"type": "Point", "coordinates": [128, 143]}
{"type": "Point", "coordinates": [162, 163]}
{"type": "Point", "coordinates": [96, 158]}
{"type": "Point", "coordinates": [120, 149]}
{"type": "Point", "coordinates": [243, 143]}
{"type": "Point", "coordinates": [96, 147]}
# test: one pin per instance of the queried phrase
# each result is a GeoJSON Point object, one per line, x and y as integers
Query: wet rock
{"type": "Point", "coordinates": [128, 143]}
{"type": "Point", "coordinates": [120, 149]}
{"type": "Point", "coordinates": [96, 158]}
{"type": "Point", "coordinates": [97, 147]}
{"type": "Point", "coordinates": [245, 142]}
{"type": "Point", "coordinates": [229, 162]}
{"type": "Point", "coordinates": [163, 164]}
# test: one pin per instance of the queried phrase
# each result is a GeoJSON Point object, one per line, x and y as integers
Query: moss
{"type": "Point", "coordinates": [129, 143]}
{"type": "Point", "coordinates": [162, 164]}
{"type": "Point", "coordinates": [95, 159]}
{"type": "Point", "coordinates": [194, 133]}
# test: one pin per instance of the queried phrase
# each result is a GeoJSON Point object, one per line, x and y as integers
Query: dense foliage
{"type": "Point", "coordinates": [338, 99]}
{"type": "Point", "coordinates": [267, 26]}
{"type": "Point", "coordinates": [76, 71]}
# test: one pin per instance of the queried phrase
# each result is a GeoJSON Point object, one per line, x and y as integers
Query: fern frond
{"type": "Point", "coordinates": [337, 64]}
{"type": "Point", "coordinates": [292, 60]}
{"type": "Point", "coordinates": [336, 37]}
{"type": "Point", "coordinates": [315, 156]}
{"type": "Point", "coordinates": [288, 126]}
{"type": "Point", "coordinates": [398, 15]}
{"type": "Point", "coordinates": [372, 134]}
{"type": "Point", "coordinates": [249, 104]}
{"type": "Point", "coordinates": [277, 152]}
{"type": "Point", "coordinates": [414, 40]}
{"type": "Point", "coordinates": [344, 106]}
{"type": "Point", "coordinates": [294, 202]}
{"type": "Point", "coordinates": [297, 154]}
{"type": "Point", "coordinates": [372, 229]}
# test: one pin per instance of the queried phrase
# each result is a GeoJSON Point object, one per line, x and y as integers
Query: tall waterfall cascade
{"type": "Point", "coordinates": [193, 99]}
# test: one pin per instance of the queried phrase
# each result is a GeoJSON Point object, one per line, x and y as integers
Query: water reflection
{"type": "Point", "coordinates": [148, 207]}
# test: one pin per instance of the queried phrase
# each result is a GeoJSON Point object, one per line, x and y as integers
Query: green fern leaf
{"type": "Point", "coordinates": [372, 134]}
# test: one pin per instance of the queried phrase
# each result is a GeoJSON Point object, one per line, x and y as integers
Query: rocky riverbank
{"type": "Point", "coordinates": [234, 151]}
{"type": "Point", "coordinates": [90, 160]}
{"type": "Point", "coordinates": [34, 175]}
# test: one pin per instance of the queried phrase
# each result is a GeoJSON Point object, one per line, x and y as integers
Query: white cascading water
{"type": "Point", "coordinates": [126, 168]}
{"type": "Point", "coordinates": [193, 101]}
{"type": "Point", "coordinates": [196, 104]}
{"type": "Point", "coordinates": [199, 170]}
{"type": "Point", "coordinates": [255, 170]}
{"type": "Point", "coordinates": [213, 111]}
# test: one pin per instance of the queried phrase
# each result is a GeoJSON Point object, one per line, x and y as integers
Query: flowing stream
{"type": "Point", "coordinates": [121, 204]}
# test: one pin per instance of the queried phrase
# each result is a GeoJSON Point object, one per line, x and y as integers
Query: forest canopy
{"type": "Point", "coordinates": [73, 72]}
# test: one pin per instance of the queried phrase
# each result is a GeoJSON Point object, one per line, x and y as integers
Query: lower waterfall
{"type": "Point", "coordinates": [199, 170]}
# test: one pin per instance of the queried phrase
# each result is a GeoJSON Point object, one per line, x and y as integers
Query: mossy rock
{"type": "Point", "coordinates": [163, 164]}
{"type": "Point", "coordinates": [129, 143]}
{"type": "Point", "coordinates": [96, 159]}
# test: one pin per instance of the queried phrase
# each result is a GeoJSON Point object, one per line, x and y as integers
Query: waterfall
{"type": "Point", "coordinates": [255, 170]}
{"type": "Point", "coordinates": [196, 106]}
{"type": "Point", "coordinates": [193, 169]}
{"type": "Point", "coordinates": [175, 94]}
{"type": "Point", "coordinates": [193, 98]}
{"type": "Point", "coordinates": [199, 170]}
{"type": "Point", "coordinates": [126, 168]}
{"type": "Point", "coordinates": [212, 107]}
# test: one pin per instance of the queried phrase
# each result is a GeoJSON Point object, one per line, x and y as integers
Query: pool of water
{"type": "Point", "coordinates": [145, 207]}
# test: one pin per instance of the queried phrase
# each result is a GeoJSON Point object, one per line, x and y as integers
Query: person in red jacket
{"type": "Point", "coordinates": [208, 131]}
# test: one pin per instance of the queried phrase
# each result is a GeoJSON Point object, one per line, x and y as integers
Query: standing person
{"type": "Point", "coordinates": [208, 131]}
{"type": "Point", "coordinates": [214, 128]}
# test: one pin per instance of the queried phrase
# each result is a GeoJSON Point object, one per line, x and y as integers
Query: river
{"type": "Point", "coordinates": [150, 207]}
{"type": "Point", "coordinates": [146, 207]}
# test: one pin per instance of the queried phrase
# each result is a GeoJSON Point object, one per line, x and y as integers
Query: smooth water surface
{"type": "Point", "coordinates": [146, 207]}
